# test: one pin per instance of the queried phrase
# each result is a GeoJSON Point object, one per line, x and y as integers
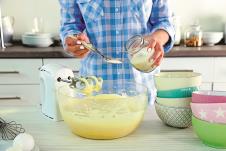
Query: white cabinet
{"type": "Point", "coordinates": [17, 95]}
{"type": "Point", "coordinates": [206, 86]}
{"type": "Point", "coordinates": [19, 71]}
{"type": "Point", "coordinates": [71, 63]}
{"type": "Point", "coordinates": [205, 66]}
{"type": "Point", "coordinates": [219, 86]}
{"type": "Point", "coordinates": [220, 70]}
{"type": "Point", "coordinates": [19, 81]}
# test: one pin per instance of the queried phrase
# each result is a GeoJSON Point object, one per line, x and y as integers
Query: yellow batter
{"type": "Point", "coordinates": [105, 116]}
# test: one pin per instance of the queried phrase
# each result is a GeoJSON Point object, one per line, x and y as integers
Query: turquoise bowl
{"type": "Point", "coordinates": [177, 93]}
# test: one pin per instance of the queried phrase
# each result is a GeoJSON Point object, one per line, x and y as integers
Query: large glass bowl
{"type": "Point", "coordinates": [104, 115]}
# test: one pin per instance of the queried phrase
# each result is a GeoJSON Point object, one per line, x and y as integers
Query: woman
{"type": "Point", "coordinates": [108, 24]}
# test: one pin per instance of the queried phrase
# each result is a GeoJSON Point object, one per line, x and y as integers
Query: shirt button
{"type": "Point", "coordinates": [116, 9]}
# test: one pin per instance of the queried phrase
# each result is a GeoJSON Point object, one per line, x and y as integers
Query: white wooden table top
{"type": "Point", "coordinates": [152, 134]}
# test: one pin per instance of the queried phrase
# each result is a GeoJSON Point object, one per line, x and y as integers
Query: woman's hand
{"type": "Point", "coordinates": [156, 41]}
{"type": "Point", "coordinates": [75, 47]}
{"type": "Point", "coordinates": [159, 51]}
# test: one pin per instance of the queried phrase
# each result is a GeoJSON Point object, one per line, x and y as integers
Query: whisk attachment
{"type": "Point", "coordinates": [8, 131]}
{"type": "Point", "coordinates": [86, 84]}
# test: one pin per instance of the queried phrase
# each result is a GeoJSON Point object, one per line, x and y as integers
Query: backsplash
{"type": "Point", "coordinates": [211, 14]}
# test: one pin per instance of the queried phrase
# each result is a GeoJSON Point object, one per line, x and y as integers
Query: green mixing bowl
{"type": "Point", "coordinates": [176, 93]}
{"type": "Point", "coordinates": [211, 134]}
{"type": "Point", "coordinates": [178, 117]}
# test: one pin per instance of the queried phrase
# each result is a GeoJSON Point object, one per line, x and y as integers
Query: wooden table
{"type": "Point", "coordinates": [152, 135]}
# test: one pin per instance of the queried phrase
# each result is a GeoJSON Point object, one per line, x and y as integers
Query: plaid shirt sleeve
{"type": "Point", "coordinates": [71, 19]}
{"type": "Point", "coordinates": [161, 18]}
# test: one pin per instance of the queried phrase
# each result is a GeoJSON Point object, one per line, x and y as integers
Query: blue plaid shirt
{"type": "Point", "coordinates": [109, 24]}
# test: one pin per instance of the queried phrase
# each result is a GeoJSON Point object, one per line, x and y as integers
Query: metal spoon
{"type": "Point", "coordinates": [107, 59]}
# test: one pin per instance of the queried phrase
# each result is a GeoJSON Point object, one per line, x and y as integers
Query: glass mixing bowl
{"type": "Point", "coordinates": [105, 114]}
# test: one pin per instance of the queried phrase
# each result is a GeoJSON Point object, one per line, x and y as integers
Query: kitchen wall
{"type": "Point", "coordinates": [25, 10]}
{"type": "Point", "coordinates": [210, 13]}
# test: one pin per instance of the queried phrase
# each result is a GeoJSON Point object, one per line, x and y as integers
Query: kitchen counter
{"type": "Point", "coordinates": [19, 51]}
{"type": "Point", "coordinates": [55, 136]}
{"type": "Point", "coordinates": [204, 51]}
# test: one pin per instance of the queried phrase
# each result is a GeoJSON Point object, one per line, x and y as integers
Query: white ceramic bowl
{"type": "Point", "coordinates": [42, 40]}
{"type": "Point", "coordinates": [212, 38]}
{"type": "Point", "coordinates": [177, 80]}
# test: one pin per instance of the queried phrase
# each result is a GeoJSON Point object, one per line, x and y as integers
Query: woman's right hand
{"type": "Point", "coordinates": [75, 47]}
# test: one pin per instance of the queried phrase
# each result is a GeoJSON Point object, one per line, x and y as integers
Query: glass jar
{"type": "Point", "coordinates": [193, 36]}
{"type": "Point", "coordinates": [139, 54]}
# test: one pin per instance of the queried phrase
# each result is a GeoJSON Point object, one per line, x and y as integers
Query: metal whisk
{"type": "Point", "coordinates": [82, 83]}
{"type": "Point", "coordinates": [8, 131]}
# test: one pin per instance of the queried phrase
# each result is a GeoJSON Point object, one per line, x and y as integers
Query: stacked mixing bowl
{"type": "Point", "coordinates": [209, 117]}
{"type": "Point", "coordinates": [174, 91]}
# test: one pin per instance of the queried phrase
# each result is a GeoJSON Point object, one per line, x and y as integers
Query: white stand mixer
{"type": "Point", "coordinates": [48, 86]}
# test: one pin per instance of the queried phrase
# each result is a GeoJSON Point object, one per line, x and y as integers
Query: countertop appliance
{"type": "Point", "coordinates": [48, 85]}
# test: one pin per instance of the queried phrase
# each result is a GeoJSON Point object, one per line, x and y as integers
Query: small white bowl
{"type": "Point", "coordinates": [38, 40]}
{"type": "Point", "coordinates": [212, 38]}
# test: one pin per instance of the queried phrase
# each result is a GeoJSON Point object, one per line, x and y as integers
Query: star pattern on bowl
{"type": "Point", "coordinates": [220, 112]}
{"type": "Point", "coordinates": [213, 115]}
{"type": "Point", "coordinates": [203, 114]}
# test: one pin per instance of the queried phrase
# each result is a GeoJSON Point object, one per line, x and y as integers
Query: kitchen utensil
{"type": "Point", "coordinates": [178, 117]}
{"type": "Point", "coordinates": [212, 38]}
{"type": "Point", "coordinates": [174, 102]}
{"type": "Point", "coordinates": [86, 85]}
{"type": "Point", "coordinates": [139, 54]}
{"type": "Point", "coordinates": [1, 30]}
{"type": "Point", "coordinates": [107, 59]}
{"type": "Point", "coordinates": [177, 80]}
{"type": "Point", "coordinates": [49, 74]}
{"type": "Point", "coordinates": [105, 114]}
{"type": "Point", "coordinates": [209, 97]}
{"type": "Point", "coordinates": [210, 112]}
{"type": "Point", "coordinates": [37, 25]}
{"type": "Point", "coordinates": [9, 130]}
{"type": "Point", "coordinates": [211, 134]}
{"type": "Point", "coordinates": [7, 25]}
{"type": "Point", "coordinates": [176, 93]}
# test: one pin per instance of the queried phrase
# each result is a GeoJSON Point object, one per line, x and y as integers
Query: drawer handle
{"type": "Point", "coordinates": [176, 70]}
{"type": "Point", "coordinates": [75, 71]}
{"type": "Point", "coordinates": [9, 72]}
{"type": "Point", "coordinates": [10, 98]}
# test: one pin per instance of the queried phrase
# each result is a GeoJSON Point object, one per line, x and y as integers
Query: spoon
{"type": "Point", "coordinates": [107, 59]}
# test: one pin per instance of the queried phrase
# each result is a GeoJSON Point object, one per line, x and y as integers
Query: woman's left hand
{"type": "Point", "coordinates": [158, 50]}
{"type": "Point", "coordinates": [156, 41]}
